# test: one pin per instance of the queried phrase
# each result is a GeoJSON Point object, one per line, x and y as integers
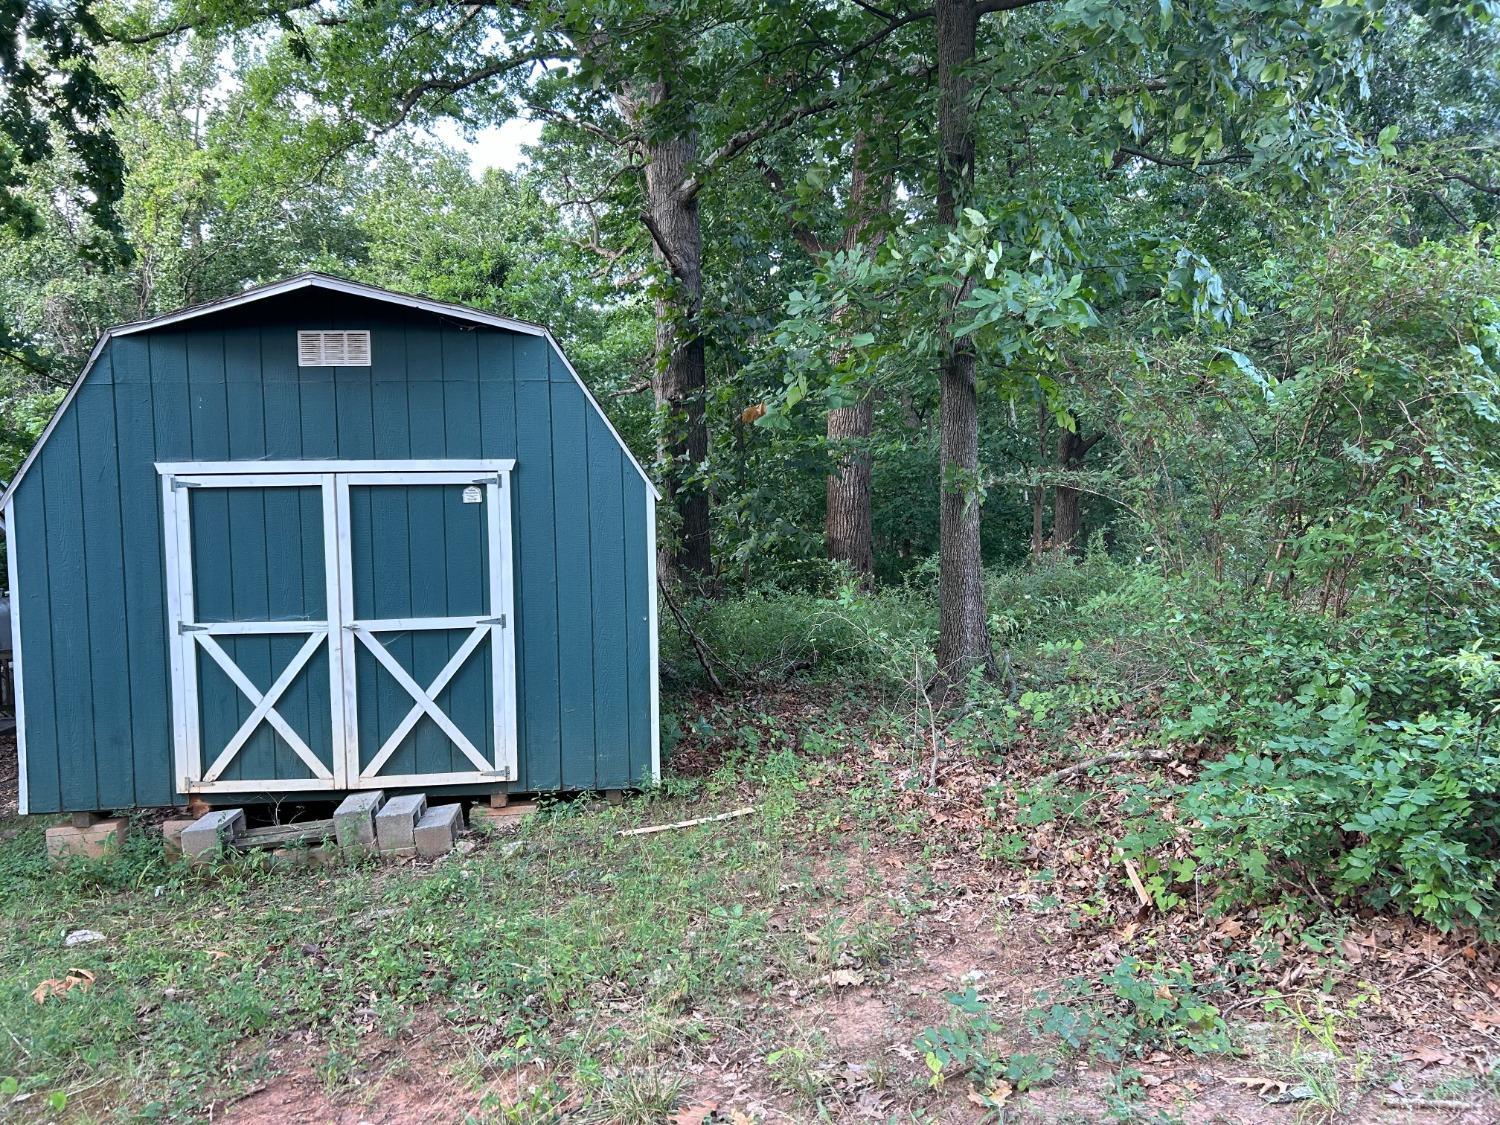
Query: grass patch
{"type": "Point", "coordinates": [565, 943]}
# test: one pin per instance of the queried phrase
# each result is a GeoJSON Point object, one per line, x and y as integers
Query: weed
{"type": "Point", "coordinates": [802, 1068]}
{"type": "Point", "coordinates": [1314, 1061]}
{"type": "Point", "coordinates": [969, 1045]}
{"type": "Point", "coordinates": [636, 1097]}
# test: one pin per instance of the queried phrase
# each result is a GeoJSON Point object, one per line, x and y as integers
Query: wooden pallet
{"type": "Point", "coordinates": [283, 835]}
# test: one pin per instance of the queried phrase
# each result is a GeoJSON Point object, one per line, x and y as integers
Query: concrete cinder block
{"type": "Point", "coordinates": [505, 819]}
{"type": "Point", "coordinates": [218, 828]}
{"type": "Point", "coordinates": [171, 833]}
{"type": "Point", "coordinates": [95, 841]}
{"type": "Point", "coordinates": [396, 823]}
{"type": "Point", "coordinates": [438, 829]}
{"type": "Point", "coordinates": [354, 820]}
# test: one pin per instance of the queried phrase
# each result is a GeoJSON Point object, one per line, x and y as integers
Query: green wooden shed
{"type": "Point", "coordinates": [318, 537]}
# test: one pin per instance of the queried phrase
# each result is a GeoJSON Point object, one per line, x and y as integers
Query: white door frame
{"type": "Point", "coordinates": [188, 636]}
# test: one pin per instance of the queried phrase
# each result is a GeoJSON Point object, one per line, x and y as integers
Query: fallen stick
{"type": "Point", "coordinates": [1426, 1103]}
{"type": "Point", "coordinates": [1135, 881]}
{"type": "Point", "coordinates": [700, 646]}
{"type": "Point", "coordinates": [1108, 759]}
{"type": "Point", "coordinates": [651, 828]}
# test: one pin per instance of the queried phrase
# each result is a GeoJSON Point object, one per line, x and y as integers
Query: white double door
{"type": "Point", "coordinates": [340, 625]}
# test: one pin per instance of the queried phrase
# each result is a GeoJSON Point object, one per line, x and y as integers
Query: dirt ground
{"type": "Point", "coordinates": [8, 791]}
{"type": "Point", "coordinates": [1424, 1055]}
{"type": "Point", "coordinates": [872, 1071]}
{"type": "Point", "coordinates": [869, 1070]}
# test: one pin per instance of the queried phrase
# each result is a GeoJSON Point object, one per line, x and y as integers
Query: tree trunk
{"type": "Point", "coordinates": [681, 377]}
{"type": "Point", "coordinates": [846, 525]}
{"type": "Point", "coordinates": [963, 631]}
{"type": "Point", "coordinates": [1065, 497]}
{"type": "Point", "coordinates": [1039, 490]}
{"type": "Point", "coordinates": [1066, 524]}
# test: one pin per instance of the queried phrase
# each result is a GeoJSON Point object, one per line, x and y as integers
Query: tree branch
{"type": "Point", "coordinates": [985, 7]}
{"type": "Point", "coordinates": [874, 11]}
{"type": "Point", "coordinates": [747, 137]}
{"type": "Point", "coordinates": [155, 34]}
{"type": "Point", "coordinates": [1159, 757]}
{"type": "Point", "coordinates": [450, 86]}
{"type": "Point", "coordinates": [800, 231]}
{"type": "Point", "coordinates": [701, 650]}
{"type": "Point", "coordinates": [672, 261]}
{"type": "Point", "coordinates": [1173, 162]}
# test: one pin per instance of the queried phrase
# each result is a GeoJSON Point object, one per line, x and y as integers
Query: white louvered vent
{"type": "Point", "coordinates": [333, 349]}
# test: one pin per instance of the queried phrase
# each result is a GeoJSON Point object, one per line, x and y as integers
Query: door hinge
{"type": "Point", "coordinates": [185, 627]}
{"type": "Point", "coordinates": [178, 484]}
{"type": "Point", "coordinates": [500, 621]}
{"type": "Point", "coordinates": [494, 478]}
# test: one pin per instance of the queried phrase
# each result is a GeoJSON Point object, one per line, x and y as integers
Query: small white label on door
{"type": "Point", "coordinates": [472, 495]}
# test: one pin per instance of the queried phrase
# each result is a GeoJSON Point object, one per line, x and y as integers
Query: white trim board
{"type": "Point", "coordinates": [461, 467]}
{"type": "Point", "coordinates": [335, 285]}
{"type": "Point", "coordinates": [654, 625]}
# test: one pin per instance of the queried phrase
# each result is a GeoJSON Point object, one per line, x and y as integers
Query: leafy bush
{"type": "Point", "coordinates": [1403, 813]}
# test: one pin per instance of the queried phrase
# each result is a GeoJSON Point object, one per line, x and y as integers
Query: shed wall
{"type": "Point", "coordinates": [88, 535]}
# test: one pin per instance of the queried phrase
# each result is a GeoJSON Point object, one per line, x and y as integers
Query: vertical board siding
{"type": "Point", "coordinates": [536, 629]}
{"type": "Point", "coordinates": [575, 634]}
{"type": "Point", "coordinates": [281, 393]}
{"type": "Point", "coordinates": [146, 663]}
{"type": "Point", "coordinates": [72, 679]}
{"type": "Point", "coordinates": [43, 753]}
{"type": "Point", "coordinates": [104, 595]}
{"type": "Point", "coordinates": [607, 593]}
{"type": "Point", "coordinates": [89, 553]}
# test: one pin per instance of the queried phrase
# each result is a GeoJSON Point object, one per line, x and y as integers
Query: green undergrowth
{"type": "Point", "coordinates": [1354, 752]}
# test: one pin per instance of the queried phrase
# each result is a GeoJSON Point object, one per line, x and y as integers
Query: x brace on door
{"type": "Point", "coordinates": [265, 706]}
{"type": "Point", "coordinates": [426, 698]}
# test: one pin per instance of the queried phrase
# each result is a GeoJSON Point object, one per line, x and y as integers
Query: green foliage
{"type": "Point", "coordinates": [53, 96]}
{"type": "Point", "coordinates": [1400, 812]}
{"type": "Point", "coordinates": [765, 634]}
{"type": "Point", "coordinates": [968, 1044]}
{"type": "Point", "coordinates": [1144, 1007]}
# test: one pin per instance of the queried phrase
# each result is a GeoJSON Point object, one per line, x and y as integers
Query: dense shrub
{"type": "Point", "coordinates": [765, 634]}
{"type": "Point", "coordinates": [1396, 812]}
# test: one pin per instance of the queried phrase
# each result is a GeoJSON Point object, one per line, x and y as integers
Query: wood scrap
{"type": "Point", "coordinates": [1135, 881]}
{"type": "Point", "coordinates": [653, 828]}
{"type": "Point", "coordinates": [279, 835]}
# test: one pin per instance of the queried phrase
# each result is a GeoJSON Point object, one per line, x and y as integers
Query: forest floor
{"type": "Point", "coordinates": [883, 939]}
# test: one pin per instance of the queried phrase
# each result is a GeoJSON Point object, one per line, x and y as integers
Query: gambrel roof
{"type": "Point", "coordinates": [328, 283]}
